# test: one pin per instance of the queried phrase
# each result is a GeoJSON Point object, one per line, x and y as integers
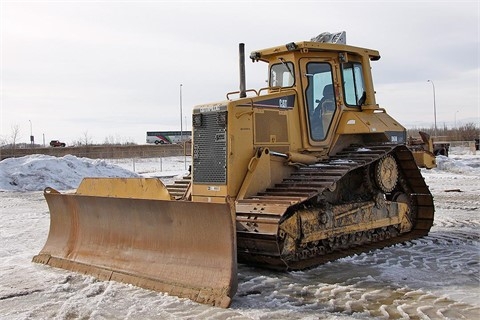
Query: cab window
{"type": "Point", "coordinates": [320, 99]}
{"type": "Point", "coordinates": [353, 83]}
{"type": "Point", "coordinates": [282, 75]}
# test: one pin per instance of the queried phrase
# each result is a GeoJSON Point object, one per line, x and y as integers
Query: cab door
{"type": "Point", "coordinates": [320, 99]}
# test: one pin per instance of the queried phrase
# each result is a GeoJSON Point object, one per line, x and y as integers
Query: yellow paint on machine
{"type": "Point", "coordinates": [163, 245]}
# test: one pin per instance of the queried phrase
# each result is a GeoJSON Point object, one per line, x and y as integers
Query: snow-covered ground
{"type": "Point", "coordinates": [435, 277]}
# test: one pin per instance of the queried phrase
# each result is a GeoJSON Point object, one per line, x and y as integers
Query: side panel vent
{"type": "Point", "coordinates": [271, 127]}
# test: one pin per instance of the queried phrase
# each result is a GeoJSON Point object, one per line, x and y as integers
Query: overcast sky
{"type": "Point", "coordinates": [113, 69]}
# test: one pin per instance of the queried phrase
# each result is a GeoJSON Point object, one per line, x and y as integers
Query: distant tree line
{"type": "Point", "coordinates": [11, 140]}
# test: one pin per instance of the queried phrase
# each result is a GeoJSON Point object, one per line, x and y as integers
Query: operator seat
{"type": "Point", "coordinates": [327, 103]}
{"type": "Point", "coordinates": [323, 113]}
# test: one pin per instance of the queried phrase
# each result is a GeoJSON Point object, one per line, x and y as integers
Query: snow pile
{"type": "Point", "coordinates": [459, 164]}
{"type": "Point", "coordinates": [36, 172]}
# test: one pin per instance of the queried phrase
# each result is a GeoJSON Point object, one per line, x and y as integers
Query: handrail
{"type": "Point", "coordinates": [238, 92]}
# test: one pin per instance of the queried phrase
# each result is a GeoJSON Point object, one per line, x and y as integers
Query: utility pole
{"type": "Point", "coordinates": [181, 116]}
{"type": "Point", "coordinates": [434, 107]}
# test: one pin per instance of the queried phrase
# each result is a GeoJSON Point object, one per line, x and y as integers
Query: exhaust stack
{"type": "Point", "coordinates": [241, 49]}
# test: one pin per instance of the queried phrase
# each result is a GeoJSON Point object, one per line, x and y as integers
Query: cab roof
{"type": "Point", "coordinates": [312, 46]}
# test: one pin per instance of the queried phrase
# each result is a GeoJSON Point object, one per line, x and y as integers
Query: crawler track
{"type": "Point", "coordinates": [260, 238]}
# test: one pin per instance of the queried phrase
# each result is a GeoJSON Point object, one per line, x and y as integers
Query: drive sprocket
{"type": "Point", "coordinates": [386, 173]}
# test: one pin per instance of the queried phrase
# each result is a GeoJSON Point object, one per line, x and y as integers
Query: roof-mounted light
{"type": "Point", "coordinates": [291, 46]}
{"type": "Point", "coordinates": [255, 56]}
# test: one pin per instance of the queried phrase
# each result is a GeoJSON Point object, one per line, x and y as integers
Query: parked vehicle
{"type": "Point", "coordinates": [168, 137]}
{"type": "Point", "coordinates": [57, 143]}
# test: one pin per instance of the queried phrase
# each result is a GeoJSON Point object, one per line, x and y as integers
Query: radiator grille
{"type": "Point", "coordinates": [210, 149]}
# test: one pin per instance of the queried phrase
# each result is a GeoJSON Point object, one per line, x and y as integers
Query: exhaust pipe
{"type": "Point", "coordinates": [241, 49]}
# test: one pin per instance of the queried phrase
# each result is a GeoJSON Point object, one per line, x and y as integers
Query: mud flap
{"type": "Point", "coordinates": [186, 249]}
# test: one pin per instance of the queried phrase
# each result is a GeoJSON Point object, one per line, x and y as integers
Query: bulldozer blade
{"type": "Point", "coordinates": [183, 248]}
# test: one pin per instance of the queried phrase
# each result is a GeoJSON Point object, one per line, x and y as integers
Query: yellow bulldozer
{"type": "Point", "coordinates": [304, 171]}
{"type": "Point", "coordinates": [423, 150]}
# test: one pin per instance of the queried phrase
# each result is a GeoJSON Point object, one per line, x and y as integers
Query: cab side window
{"type": "Point", "coordinates": [353, 84]}
{"type": "Point", "coordinates": [281, 75]}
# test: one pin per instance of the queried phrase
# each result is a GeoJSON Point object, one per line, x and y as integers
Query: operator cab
{"type": "Point", "coordinates": [329, 77]}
